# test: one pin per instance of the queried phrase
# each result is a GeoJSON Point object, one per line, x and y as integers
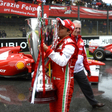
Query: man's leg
{"type": "Point", "coordinates": [83, 82]}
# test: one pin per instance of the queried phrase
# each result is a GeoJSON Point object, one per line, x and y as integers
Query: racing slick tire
{"type": "Point", "coordinates": [99, 54]}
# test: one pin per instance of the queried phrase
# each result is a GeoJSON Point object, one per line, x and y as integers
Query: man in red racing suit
{"type": "Point", "coordinates": [63, 61]}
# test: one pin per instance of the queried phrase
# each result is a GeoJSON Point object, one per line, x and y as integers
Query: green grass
{"type": "Point", "coordinates": [87, 52]}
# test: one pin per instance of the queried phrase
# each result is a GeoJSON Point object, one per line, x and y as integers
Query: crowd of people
{"type": "Point", "coordinates": [95, 4]}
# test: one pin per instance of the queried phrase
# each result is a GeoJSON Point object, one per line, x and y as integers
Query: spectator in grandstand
{"type": "Point", "coordinates": [67, 2]}
{"type": "Point", "coordinates": [58, 2]}
{"type": "Point", "coordinates": [48, 2]}
{"type": "Point", "coordinates": [89, 5]}
{"type": "Point", "coordinates": [23, 31]}
{"type": "Point", "coordinates": [48, 36]}
{"type": "Point", "coordinates": [85, 4]}
{"type": "Point", "coordinates": [90, 27]}
{"type": "Point", "coordinates": [4, 34]}
{"type": "Point", "coordinates": [53, 2]}
{"type": "Point", "coordinates": [47, 33]}
{"type": "Point", "coordinates": [72, 2]}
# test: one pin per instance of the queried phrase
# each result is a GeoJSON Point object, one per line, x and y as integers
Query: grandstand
{"type": "Point", "coordinates": [12, 24]}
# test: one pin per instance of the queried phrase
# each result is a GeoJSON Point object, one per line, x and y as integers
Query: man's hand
{"type": "Point", "coordinates": [45, 47]}
{"type": "Point", "coordinates": [89, 73]}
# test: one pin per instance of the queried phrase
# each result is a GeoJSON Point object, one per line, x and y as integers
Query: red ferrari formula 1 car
{"type": "Point", "coordinates": [100, 52]}
{"type": "Point", "coordinates": [14, 63]}
{"type": "Point", "coordinates": [95, 70]}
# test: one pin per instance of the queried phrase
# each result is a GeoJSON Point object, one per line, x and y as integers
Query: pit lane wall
{"type": "Point", "coordinates": [22, 41]}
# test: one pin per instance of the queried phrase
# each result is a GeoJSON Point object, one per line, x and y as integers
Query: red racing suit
{"type": "Point", "coordinates": [82, 57]}
{"type": "Point", "coordinates": [63, 62]}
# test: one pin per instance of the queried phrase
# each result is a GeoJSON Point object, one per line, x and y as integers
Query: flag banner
{"type": "Point", "coordinates": [18, 8]}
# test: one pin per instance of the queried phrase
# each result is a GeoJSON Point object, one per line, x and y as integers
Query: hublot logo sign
{"type": "Point", "coordinates": [14, 42]}
{"type": "Point", "coordinates": [23, 45]}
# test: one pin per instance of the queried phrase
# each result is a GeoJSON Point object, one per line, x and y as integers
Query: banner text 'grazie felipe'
{"type": "Point", "coordinates": [18, 6]}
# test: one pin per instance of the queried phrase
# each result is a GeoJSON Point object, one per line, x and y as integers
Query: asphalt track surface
{"type": "Point", "coordinates": [14, 95]}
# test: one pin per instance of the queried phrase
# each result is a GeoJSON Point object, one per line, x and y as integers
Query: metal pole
{"type": "Point", "coordinates": [110, 27]}
{"type": "Point", "coordinates": [78, 12]}
{"type": "Point", "coordinates": [97, 27]}
{"type": "Point", "coordinates": [107, 19]}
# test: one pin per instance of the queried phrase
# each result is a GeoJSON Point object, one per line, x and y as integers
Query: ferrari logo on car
{"type": "Point", "coordinates": [20, 65]}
